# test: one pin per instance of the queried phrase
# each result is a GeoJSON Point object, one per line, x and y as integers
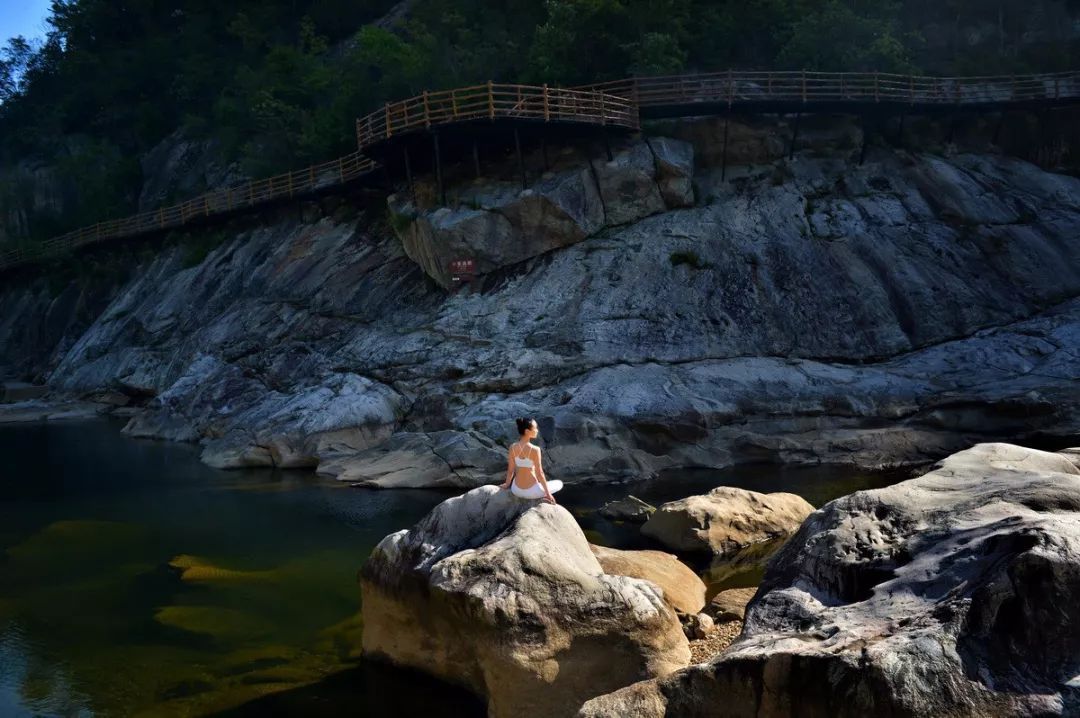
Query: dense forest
{"type": "Point", "coordinates": [278, 82]}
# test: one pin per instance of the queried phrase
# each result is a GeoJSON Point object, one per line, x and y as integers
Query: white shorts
{"type": "Point", "coordinates": [536, 491]}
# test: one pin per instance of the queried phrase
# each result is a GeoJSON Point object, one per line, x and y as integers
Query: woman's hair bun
{"type": "Point", "coordinates": [524, 423]}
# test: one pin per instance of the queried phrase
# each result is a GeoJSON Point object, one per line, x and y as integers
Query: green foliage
{"type": "Point", "coordinates": [278, 84]}
{"type": "Point", "coordinates": [834, 37]}
{"type": "Point", "coordinates": [399, 222]}
{"type": "Point", "coordinates": [198, 246]}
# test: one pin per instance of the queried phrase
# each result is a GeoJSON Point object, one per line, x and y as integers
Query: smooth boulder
{"type": "Point", "coordinates": [953, 594]}
{"type": "Point", "coordinates": [726, 520]}
{"type": "Point", "coordinates": [683, 589]}
{"type": "Point", "coordinates": [504, 596]}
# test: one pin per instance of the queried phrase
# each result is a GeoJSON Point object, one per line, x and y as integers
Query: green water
{"type": "Point", "coordinates": [136, 581]}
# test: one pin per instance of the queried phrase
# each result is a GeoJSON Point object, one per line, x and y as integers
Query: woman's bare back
{"type": "Point", "coordinates": [524, 465]}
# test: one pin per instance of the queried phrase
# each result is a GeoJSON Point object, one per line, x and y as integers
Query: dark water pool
{"type": "Point", "coordinates": [136, 581]}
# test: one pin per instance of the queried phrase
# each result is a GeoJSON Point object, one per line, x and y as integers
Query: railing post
{"type": "Point", "coordinates": [491, 100]}
{"type": "Point", "coordinates": [453, 103]}
{"type": "Point", "coordinates": [877, 87]}
{"type": "Point", "coordinates": [547, 106]}
{"type": "Point", "coordinates": [427, 112]}
{"type": "Point", "coordinates": [603, 114]}
{"type": "Point", "coordinates": [911, 89]}
{"type": "Point", "coordinates": [804, 86]}
{"type": "Point", "coordinates": [389, 121]}
{"type": "Point", "coordinates": [730, 87]}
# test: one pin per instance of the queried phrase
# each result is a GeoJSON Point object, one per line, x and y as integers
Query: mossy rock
{"type": "Point", "coordinates": [195, 568]}
{"type": "Point", "coordinates": [225, 624]}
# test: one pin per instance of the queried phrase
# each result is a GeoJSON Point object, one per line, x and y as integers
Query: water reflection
{"type": "Point", "coordinates": [136, 581]}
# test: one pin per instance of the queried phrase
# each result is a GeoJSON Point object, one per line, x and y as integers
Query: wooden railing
{"type": "Point", "coordinates": [218, 202]}
{"type": "Point", "coordinates": [496, 101]}
{"type": "Point", "coordinates": [734, 88]}
{"type": "Point", "coordinates": [617, 104]}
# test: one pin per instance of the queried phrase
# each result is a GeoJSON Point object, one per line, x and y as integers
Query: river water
{"type": "Point", "coordinates": [136, 581]}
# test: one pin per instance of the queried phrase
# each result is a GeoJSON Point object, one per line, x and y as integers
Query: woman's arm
{"type": "Point", "coordinates": [542, 478]}
{"type": "Point", "coordinates": [509, 471]}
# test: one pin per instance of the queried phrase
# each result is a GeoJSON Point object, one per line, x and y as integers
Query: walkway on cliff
{"type": "Point", "coordinates": [617, 106]}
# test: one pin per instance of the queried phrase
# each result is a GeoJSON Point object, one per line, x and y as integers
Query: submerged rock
{"type": "Point", "coordinates": [956, 593]}
{"type": "Point", "coordinates": [630, 509]}
{"type": "Point", "coordinates": [505, 596]}
{"type": "Point", "coordinates": [726, 520]}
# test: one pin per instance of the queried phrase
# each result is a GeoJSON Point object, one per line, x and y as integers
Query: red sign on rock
{"type": "Point", "coordinates": [462, 270]}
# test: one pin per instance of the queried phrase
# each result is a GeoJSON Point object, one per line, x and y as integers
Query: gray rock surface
{"type": "Point", "coordinates": [505, 596]}
{"type": "Point", "coordinates": [499, 225]}
{"type": "Point", "coordinates": [956, 593]}
{"type": "Point", "coordinates": [630, 509]}
{"type": "Point", "coordinates": [834, 313]}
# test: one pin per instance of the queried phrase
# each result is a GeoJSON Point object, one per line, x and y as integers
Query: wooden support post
{"type": "Point", "coordinates": [408, 175]}
{"type": "Point", "coordinates": [427, 111]}
{"type": "Point", "coordinates": [794, 136]}
{"type": "Point", "coordinates": [389, 121]}
{"type": "Point", "coordinates": [803, 94]}
{"type": "Point", "coordinates": [547, 104]}
{"type": "Point", "coordinates": [997, 127]}
{"type": "Point", "coordinates": [723, 161]}
{"type": "Point", "coordinates": [520, 159]}
{"type": "Point", "coordinates": [476, 158]}
{"type": "Point", "coordinates": [491, 100]}
{"type": "Point", "coordinates": [438, 169]}
{"type": "Point", "coordinates": [865, 139]}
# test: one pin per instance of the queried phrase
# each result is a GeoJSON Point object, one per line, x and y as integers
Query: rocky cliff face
{"type": "Point", "coordinates": [811, 310]}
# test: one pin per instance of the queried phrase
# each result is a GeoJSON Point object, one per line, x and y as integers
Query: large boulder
{"type": "Point", "coordinates": [683, 589]}
{"type": "Point", "coordinates": [504, 596]}
{"type": "Point", "coordinates": [726, 520]}
{"type": "Point", "coordinates": [498, 224]}
{"type": "Point", "coordinates": [953, 594]}
{"type": "Point", "coordinates": [421, 460]}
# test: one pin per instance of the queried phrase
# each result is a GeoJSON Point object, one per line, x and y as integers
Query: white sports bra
{"type": "Point", "coordinates": [518, 461]}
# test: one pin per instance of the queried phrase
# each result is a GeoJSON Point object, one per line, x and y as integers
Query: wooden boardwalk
{"type": "Point", "coordinates": [619, 105]}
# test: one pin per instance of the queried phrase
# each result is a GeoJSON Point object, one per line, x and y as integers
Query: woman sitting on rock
{"type": "Point", "coordinates": [533, 483]}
